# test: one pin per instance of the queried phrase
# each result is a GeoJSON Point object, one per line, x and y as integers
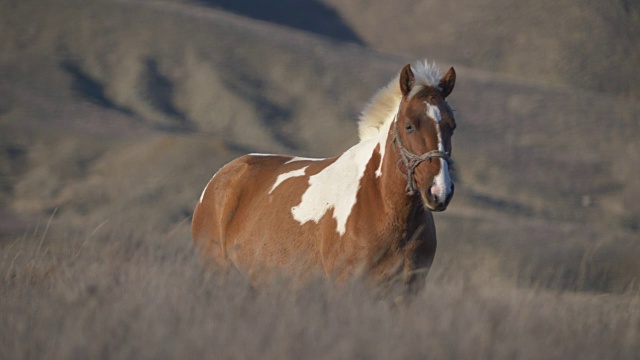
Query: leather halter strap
{"type": "Point", "coordinates": [411, 160]}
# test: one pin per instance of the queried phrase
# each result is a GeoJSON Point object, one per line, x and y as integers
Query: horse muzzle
{"type": "Point", "coordinates": [437, 199]}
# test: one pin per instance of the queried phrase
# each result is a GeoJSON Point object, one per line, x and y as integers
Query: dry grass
{"type": "Point", "coordinates": [124, 292]}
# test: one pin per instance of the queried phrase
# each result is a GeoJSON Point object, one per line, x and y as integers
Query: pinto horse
{"type": "Point", "coordinates": [365, 212]}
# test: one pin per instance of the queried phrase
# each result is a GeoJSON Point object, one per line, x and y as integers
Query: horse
{"type": "Point", "coordinates": [366, 212]}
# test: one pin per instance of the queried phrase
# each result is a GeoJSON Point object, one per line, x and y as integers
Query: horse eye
{"type": "Point", "coordinates": [409, 127]}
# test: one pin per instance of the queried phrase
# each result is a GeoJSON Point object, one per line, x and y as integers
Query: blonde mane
{"type": "Point", "coordinates": [383, 106]}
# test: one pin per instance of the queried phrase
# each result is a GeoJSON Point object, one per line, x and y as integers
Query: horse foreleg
{"type": "Point", "coordinates": [419, 253]}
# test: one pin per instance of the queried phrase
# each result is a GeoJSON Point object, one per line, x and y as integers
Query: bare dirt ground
{"type": "Point", "coordinates": [115, 114]}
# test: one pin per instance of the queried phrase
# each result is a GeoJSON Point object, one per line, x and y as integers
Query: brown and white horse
{"type": "Point", "coordinates": [364, 212]}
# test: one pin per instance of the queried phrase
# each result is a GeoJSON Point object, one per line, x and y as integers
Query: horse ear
{"type": "Point", "coordinates": [406, 80]}
{"type": "Point", "coordinates": [447, 82]}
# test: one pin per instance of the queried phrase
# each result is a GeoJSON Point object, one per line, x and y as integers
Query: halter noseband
{"type": "Point", "coordinates": [411, 160]}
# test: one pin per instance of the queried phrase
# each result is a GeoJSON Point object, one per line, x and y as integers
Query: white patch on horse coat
{"type": "Point", "coordinates": [285, 176]}
{"type": "Point", "coordinates": [298, 158]}
{"type": "Point", "coordinates": [335, 187]}
{"type": "Point", "coordinates": [434, 113]}
{"type": "Point", "coordinates": [382, 140]}
{"type": "Point", "coordinates": [258, 154]}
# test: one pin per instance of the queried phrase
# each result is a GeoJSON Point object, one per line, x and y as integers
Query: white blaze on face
{"type": "Point", "coordinates": [433, 112]}
{"type": "Point", "coordinates": [285, 176]}
{"type": "Point", "coordinates": [442, 181]}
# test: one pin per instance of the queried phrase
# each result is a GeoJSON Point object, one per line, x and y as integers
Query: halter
{"type": "Point", "coordinates": [411, 160]}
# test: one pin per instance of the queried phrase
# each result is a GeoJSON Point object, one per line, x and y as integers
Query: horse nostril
{"type": "Point", "coordinates": [432, 194]}
{"type": "Point", "coordinates": [428, 194]}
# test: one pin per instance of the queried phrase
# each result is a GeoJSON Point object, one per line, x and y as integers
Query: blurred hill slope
{"type": "Point", "coordinates": [586, 44]}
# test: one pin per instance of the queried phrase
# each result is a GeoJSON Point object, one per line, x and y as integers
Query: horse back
{"type": "Point", "coordinates": [245, 212]}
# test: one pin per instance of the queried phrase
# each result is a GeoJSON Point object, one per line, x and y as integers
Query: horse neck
{"type": "Point", "coordinates": [393, 184]}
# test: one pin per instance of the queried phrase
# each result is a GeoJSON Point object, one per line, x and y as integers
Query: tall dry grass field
{"type": "Point", "coordinates": [115, 290]}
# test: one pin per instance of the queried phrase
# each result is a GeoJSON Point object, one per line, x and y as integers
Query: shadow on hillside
{"type": "Point", "coordinates": [155, 89]}
{"type": "Point", "coordinates": [88, 88]}
{"type": "Point", "coordinates": [308, 15]}
{"type": "Point", "coordinates": [158, 91]}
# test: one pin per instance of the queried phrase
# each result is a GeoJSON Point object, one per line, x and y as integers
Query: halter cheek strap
{"type": "Point", "coordinates": [411, 160]}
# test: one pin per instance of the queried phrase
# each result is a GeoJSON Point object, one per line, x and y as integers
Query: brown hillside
{"type": "Point", "coordinates": [572, 43]}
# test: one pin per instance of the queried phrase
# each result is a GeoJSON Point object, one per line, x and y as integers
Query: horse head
{"type": "Point", "coordinates": [422, 133]}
